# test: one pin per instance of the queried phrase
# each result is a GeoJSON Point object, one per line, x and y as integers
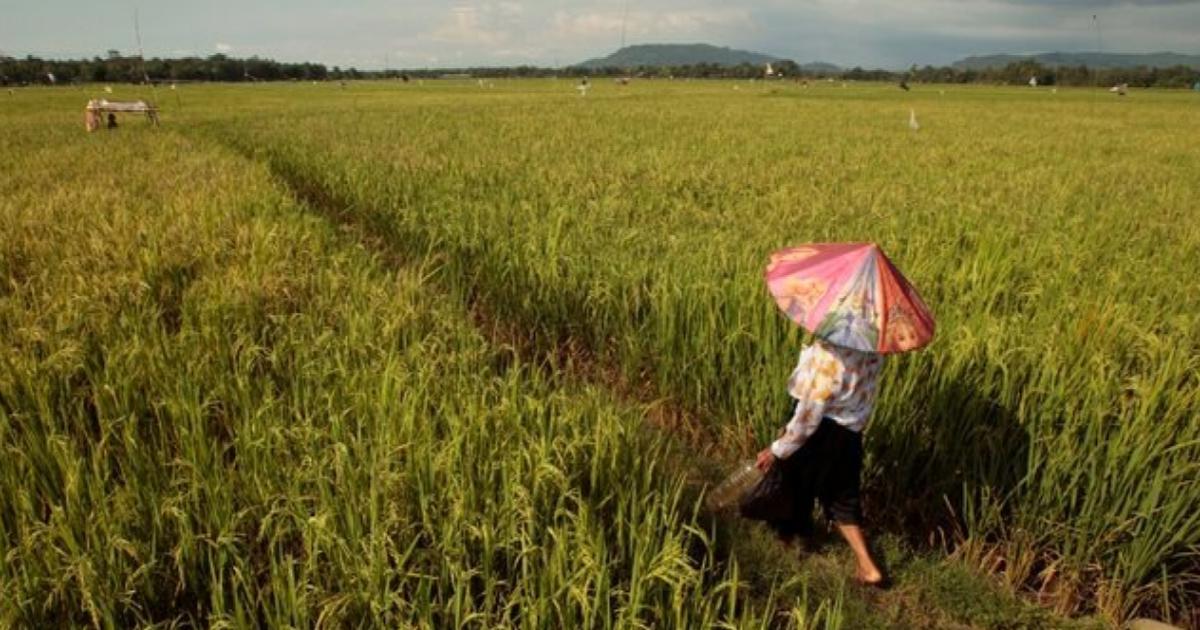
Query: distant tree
{"type": "Point", "coordinates": [220, 67]}
{"type": "Point", "coordinates": [788, 68]}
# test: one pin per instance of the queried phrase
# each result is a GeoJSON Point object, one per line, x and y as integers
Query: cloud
{"type": "Point", "coordinates": [895, 34]}
{"type": "Point", "coordinates": [1097, 4]}
{"type": "Point", "coordinates": [643, 23]}
{"type": "Point", "coordinates": [486, 24]}
{"type": "Point", "coordinates": [531, 31]}
{"type": "Point", "coordinates": [464, 26]}
{"type": "Point", "coordinates": [890, 33]}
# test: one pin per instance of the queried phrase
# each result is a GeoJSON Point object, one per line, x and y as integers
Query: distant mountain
{"type": "Point", "coordinates": [677, 55]}
{"type": "Point", "coordinates": [1089, 59]}
{"type": "Point", "coordinates": [820, 67]}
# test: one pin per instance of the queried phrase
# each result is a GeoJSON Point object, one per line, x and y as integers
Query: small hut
{"type": "Point", "coordinates": [93, 114]}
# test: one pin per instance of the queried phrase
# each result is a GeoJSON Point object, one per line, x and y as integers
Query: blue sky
{"type": "Point", "coordinates": [424, 33]}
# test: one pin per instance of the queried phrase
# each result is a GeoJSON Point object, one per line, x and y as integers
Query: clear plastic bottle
{"type": "Point", "coordinates": [735, 486]}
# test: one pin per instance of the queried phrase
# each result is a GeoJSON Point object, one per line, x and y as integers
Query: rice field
{"type": "Point", "coordinates": [253, 380]}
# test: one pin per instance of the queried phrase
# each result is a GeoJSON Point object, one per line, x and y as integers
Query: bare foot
{"type": "Point", "coordinates": [870, 577]}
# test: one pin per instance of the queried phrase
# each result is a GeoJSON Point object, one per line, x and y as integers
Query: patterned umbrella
{"type": "Point", "coordinates": [851, 295]}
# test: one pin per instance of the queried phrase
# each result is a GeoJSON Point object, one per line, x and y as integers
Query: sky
{"type": "Point", "coordinates": [371, 34]}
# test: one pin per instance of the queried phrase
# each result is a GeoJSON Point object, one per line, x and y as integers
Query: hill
{"type": "Point", "coordinates": [1090, 59]}
{"type": "Point", "coordinates": [820, 67]}
{"type": "Point", "coordinates": [677, 55]}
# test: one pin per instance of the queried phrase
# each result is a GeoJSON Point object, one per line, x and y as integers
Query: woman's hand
{"type": "Point", "coordinates": [765, 460]}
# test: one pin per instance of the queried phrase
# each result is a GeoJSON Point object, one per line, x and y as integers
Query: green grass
{"type": "Point", "coordinates": [218, 409]}
{"type": "Point", "coordinates": [1051, 234]}
{"type": "Point", "coordinates": [1048, 434]}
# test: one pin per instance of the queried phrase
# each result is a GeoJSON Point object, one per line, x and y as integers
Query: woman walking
{"type": "Point", "coordinates": [819, 452]}
{"type": "Point", "coordinates": [859, 307]}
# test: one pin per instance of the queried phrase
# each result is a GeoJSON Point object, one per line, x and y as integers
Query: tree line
{"type": "Point", "coordinates": [116, 67]}
{"type": "Point", "coordinates": [1020, 72]}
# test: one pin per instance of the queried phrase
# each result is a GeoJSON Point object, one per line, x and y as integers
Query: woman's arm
{"type": "Point", "coordinates": [818, 376]}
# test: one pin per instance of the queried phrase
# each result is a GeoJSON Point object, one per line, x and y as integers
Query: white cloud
{"type": "Point", "coordinates": [892, 33]}
{"type": "Point", "coordinates": [485, 24]}
{"type": "Point", "coordinates": [528, 32]}
{"type": "Point", "coordinates": [519, 52]}
{"type": "Point", "coordinates": [648, 23]}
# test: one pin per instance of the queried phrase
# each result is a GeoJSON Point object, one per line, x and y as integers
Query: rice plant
{"type": "Point", "coordinates": [217, 409]}
{"type": "Point", "coordinates": [1054, 416]}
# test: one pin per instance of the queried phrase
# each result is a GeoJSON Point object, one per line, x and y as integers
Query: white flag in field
{"type": "Point", "coordinates": [50, 75]}
{"type": "Point", "coordinates": [1032, 81]}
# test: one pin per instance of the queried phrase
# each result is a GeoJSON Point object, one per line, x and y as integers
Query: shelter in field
{"type": "Point", "coordinates": [93, 114]}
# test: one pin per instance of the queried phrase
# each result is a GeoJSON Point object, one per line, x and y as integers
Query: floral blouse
{"type": "Point", "coordinates": [829, 381]}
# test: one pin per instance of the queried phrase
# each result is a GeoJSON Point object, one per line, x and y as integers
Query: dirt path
{"type": "Point", "coordinates": [931, 590]}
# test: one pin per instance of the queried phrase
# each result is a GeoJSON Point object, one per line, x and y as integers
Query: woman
{"type": "Point", "coordinates": [819, 453]}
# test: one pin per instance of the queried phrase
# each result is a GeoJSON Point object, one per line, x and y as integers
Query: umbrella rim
{"type": "Point", "coordinates": [850, 248]}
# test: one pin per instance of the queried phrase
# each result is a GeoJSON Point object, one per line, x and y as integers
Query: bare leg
{"type": "Point", "coordinates": [867, 571]}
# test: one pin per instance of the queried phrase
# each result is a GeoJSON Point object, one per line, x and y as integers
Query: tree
{"type": "Point", "coordinates": [788, 68]}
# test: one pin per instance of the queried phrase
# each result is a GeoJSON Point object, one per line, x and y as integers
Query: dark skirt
{"type": "Point", "coordinates": [826, 468]}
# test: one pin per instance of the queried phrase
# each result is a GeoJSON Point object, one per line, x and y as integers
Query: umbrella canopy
{"type": "Point", "coordinates": [851, 295]}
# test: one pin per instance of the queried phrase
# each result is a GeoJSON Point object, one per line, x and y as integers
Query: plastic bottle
{"type": "Point", "coordinates": [735, 486]}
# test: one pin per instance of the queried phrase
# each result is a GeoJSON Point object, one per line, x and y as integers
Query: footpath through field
{"type": "Point", "coordinates": [218, 409]}
{"type": "Point", "coordinates": [433, 356]}
{"type": "Point", "coordinates": [806, 589]}
{"type": "Point", "coordinates": [223, 405]}
{"type": "Point", "coordinates": [1052, 424]}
